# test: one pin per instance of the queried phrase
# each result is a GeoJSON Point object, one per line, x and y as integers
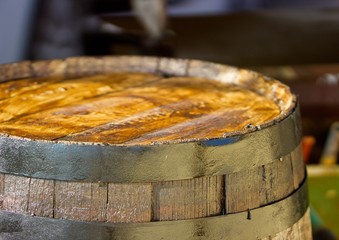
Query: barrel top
{"type": "Point", "coordinates": [135, 100]}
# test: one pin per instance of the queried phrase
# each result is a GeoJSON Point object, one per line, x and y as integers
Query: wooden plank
{"type": "Point", "coordinates": [132, 124]}
{"type": "Point", "coordinates": [223, 73]}
{"type": "Point", "coordinates": [72, 200]}
{"type": "Point", "coordinates": [49, 68]}
{"type": "Point", "coordinates": [130, 64]}
{"type": "Point", "coordinates": [277, 180]}
{"type": "Point", "coordinates": [242, 190]}
{"type": "Point", "coordinates": [173, 67]}
{"type": "Point", "coordinates": [50, 124]}
{"type": "Point", "coordinates": [256, 187]}
{"type": "Point", "coordinates": [129, 202]}
{"type": "Point", "coordinates": [13, 88]}
{"type": "Point", "coordinates": [40, 199]}
{"type": "Point", "coordinates": [185, 199]}
{"type": "Point", "coordinates": [80, 66]}
{"type": "Point", "coordinates": [2, 188]}
{"type": "Point", "coordinates": [15, 71]}
{"type": "Point", "coordinates": [16, 192]}
{"type": "Point", "coordinates": [80, 201]}
{"type": "Point", "coordinates": [99, 202]}
{"type": "Point", "coordinates": [58, 94]}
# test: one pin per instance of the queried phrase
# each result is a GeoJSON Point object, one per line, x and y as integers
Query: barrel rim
{"type": "Point", "coordinates": [153, 163]}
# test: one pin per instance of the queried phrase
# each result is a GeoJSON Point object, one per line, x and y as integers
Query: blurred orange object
{"type": "Point", "coordinates": [308, 143]}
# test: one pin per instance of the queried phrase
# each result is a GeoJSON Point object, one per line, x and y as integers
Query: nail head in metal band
{"type": "Point", "coordinates": [151, 163]}
{"type": "Point", "coordinates": [263, 222]}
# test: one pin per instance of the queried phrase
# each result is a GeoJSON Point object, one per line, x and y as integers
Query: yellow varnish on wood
{"type": "Point", "coordinates": [32, 97]}
{"type": "Point", "coordinates": [128, 108]}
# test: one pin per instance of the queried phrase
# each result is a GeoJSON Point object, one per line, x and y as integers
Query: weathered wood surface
{"type": "Point", "coordinates": [186, 199]}
{"type": "Point", "coordinates": [2, 189]}
{"type": "Point", "coordinates": [129, 108]}
{"type": "Point", "coordinates": [171, 200]}
{"type": "Point", "coordinates": [86, 99]}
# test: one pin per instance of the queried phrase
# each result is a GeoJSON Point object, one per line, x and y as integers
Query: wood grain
{"type": "Point", "coordinates": [173, 67]}
{"type": "Point", "coordinates": [277, 172]}
{"type": "Point", "coordinates": [80, 201]}
{"type": "Point", "coordinates": [134, 108]}
{"type": "Point", "coordinates": [99, 202]}
{"type": "Point", "coordinates": [174, 200]}
{"type": "Point", "coordinates": [260, 186]}
{"type": "Point", "coordinates": [41, 197]}
{"type": "Point", "coordinates": [186, 199]}
{"type": "Point", "coordinates": [16, 193]}
{"type": "Point", "coordinates": [129, 203]}
{"type": "Point", "coordinates": [35, 95]}
{"type": "Point", "coordinates": [160, 201]}
{"type": "Point", "coordinates": [242, 190]}
{"type": "Point", "coordinates": [2, 189]}
{"type": "Point", "coordinates": [15, 71]}
{"type": "Point", "coordinates": [48, 68]}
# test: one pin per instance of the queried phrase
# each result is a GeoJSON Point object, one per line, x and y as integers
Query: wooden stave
{"type": "Point", "coordinates": [157, 201]}
{"type": "Point", "coordinates": [267, 222]}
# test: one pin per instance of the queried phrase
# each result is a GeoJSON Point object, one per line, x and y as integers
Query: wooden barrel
{"type": "Point", "coordinates": [148, 148]}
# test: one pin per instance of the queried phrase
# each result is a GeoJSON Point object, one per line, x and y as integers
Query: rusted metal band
{"type": "Point", "coordinates": [256, 224]}
{"type": "Point", "coordinates": [151, 163]}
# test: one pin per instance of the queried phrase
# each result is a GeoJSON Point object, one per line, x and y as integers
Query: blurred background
{"type": "Point", "coordinates": [295, 41]}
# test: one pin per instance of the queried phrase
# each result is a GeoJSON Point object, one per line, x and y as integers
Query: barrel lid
{"type": "Point", "coordinates": [136, 106]}
{"type": "Point", "coordinates": [135, 103]}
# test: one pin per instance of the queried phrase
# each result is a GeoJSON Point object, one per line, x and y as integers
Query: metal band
{"type": "Point", "coordinates": [151, 163]}
{"type": "Point", "coordinates": [256, 224]}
